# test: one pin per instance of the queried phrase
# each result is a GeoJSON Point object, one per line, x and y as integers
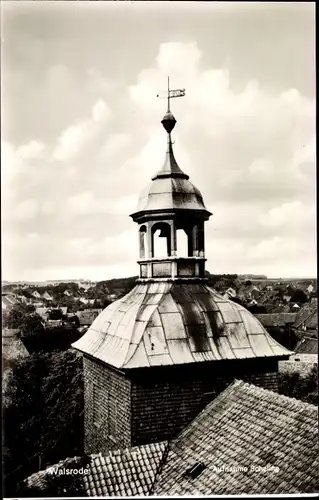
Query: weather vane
{"type": "Point", "coordinates": [170, 94]}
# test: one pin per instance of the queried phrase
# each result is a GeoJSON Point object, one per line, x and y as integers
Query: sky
{"type": "Point", "coordinates": [81, 132]}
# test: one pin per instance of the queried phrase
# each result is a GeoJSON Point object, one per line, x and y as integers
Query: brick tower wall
{"type": "Point", "coordinates": [164, 400]}
{"type": "Point", "coordinates": [107, 408]}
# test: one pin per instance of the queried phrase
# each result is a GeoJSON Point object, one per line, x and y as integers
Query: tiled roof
{"type": "Point", "coordinates": [166, 324]}
{"type": "Point", "coordinates": [307, 345]}
{"type": "Point", "coordinates": [120, 473]}
{"type": "Point", "coordinates": [245, 426]}
{"type": "Point", "coordinates": [307, 315]}
{"type": "Point", "coordinates": [276, 319]}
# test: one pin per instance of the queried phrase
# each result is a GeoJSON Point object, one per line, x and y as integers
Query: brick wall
{"type": "Point", "coordinates": [107, 408]}
{"type": "Point", "coordinates": [301, 367]}
{"type": "Point", "coordinates": [164, 400]}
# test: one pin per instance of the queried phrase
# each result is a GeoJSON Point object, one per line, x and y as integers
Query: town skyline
{"type": "Point", "coordinates": [77, 156]}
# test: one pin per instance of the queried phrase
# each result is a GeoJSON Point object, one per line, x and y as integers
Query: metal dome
{"type": "Point", "coordinates": [171, 189]}
{"type": "Point", "coordinates": [170, 324]}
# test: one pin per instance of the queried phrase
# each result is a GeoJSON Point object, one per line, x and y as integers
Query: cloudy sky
{"type": "Point", "coordinates": [81, 132]}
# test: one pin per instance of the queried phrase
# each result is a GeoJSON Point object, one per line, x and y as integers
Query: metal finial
{"type": "Point", "coordinates": [169, 121]}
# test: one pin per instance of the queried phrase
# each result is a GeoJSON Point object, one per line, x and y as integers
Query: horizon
{"type": "Point", "coordinates": [75, 158]}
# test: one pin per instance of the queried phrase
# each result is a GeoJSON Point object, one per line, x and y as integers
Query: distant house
{"type": "Point", "coordinates": [310, 288]}
{"type": "Point", "coordinates": [230, 293]}
{"type": "Point", "coordinates": [47, 296]}
{"type": "Point", "coordinates": [87, 317]}
{"type": "Point", "coordinates": [67, 293]}
{"type": "Point", "coordinates": [307, 317]}
{"type": "Point", "coordinates": [36, 294]}
{"type": "Point", "coordinates": [276, 320]}
{"type": "Point", "coordinates": [306, 350]}
{"type": "Point", "coordinates": [6, 302]}
{"type": "Point", "coordinates": [304, 358]}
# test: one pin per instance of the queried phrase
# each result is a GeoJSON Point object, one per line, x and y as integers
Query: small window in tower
{"type": "Point", "coordinates": [97, 405]}
{"type": "Point", "coordinates": [161, 240]}
{"type": "Point", "coordinates": [195, 470]}
{"type": "Point", "coordinates": [182, 243]}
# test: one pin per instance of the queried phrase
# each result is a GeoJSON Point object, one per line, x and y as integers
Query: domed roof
{"type": "Point", "coordinates": [169, 324]}
{"type": "Point", "coordinates": [171, 189]}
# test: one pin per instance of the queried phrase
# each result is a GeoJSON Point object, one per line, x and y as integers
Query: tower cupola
{"type": "Point", "coordinates": [171, 210]}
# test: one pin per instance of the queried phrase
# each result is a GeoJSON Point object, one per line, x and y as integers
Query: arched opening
{"type": "Point", "coordinates": [161, 240]}
{"type": "Point", "coordinates": [182, 243]}
{"type": "Point", "coordinates": [143, 242]}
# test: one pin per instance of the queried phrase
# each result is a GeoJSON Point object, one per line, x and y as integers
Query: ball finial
{"type": "Point", "coordinates": [168, 122]}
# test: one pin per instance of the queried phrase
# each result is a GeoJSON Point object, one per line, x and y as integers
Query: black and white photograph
{"type": "Point", "coordinates": [159, 256]}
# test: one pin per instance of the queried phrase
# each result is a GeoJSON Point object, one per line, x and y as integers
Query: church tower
{"type": "Point", "coordinates": [153, 359]}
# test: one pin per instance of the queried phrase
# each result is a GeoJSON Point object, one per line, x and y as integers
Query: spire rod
{"type": "Point", "coordinates": [169, 121]}
{"type": "Point", "coordinates": [170, 94]}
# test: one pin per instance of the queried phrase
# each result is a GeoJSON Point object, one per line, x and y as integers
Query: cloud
{"type": "Point", "coordinates": [249, 149]}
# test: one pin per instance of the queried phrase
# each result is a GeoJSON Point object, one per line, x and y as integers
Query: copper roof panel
{"type": "Point", "coordinates": [181, 294]}
{"type": "Point", "coordinates": [224, 348]}
{"type": "Point", "coordinates": [161, 185]}
{"type": "Point", "coordinates": [155, 319]}
{"type": "Point", "coordinates": [213, 349]}
{"type": "Point", "coordinates": [260, 346]}
{"type": "Point", "coordinates": [179, 351]}
{"type": "Point", "coordinates": [198, 339]}
{"type": "Point", "coordinates": [145, 312]}
{"type": "Point", "coordinates": [279, 350]}
{"type": "Point", "coordinates": [137, 357]}
{"type": "Point", "coordinates": [159, 201]}
{"type": "Point", "coordinates": [163, 287]}
{"type": "Point", "coordinates": [203, 356]}
{"type": "Point", "coordinates": [138, 330]}
{"type": "Point", "coordinates": [152, 298]}
{"type": "Point", "coordinates": [191, 314]}
{"type": "Point", "coordinates": [130, 315]}
{"type": "Point", "coordinates": [89, 341]}
{"type": "Point", "coordinates": [236, 335]}
{"type": "Point", "coordinates": [244, 353]}
{"type": "Point", "coordinates": [112, 351]}
{"type": "Point", "coordinates": [154, 341]}
{"type": "Point", "coordinates": [229, 312]}
{"type": "Point", "coordinates": [160, 360]}
{"type": "Point", "coordinates": [124, 332]}
{"type": "Point", "coordinates": [173, 326]}
{"type": "Point", "coordinates": [252, 325]}
{"type": "Point", "coordinates": [116, 320]}
{"type": "Point", "coordinates": [214, 323]}
{"type": "Point", "coordinates": [168, 305]}
{"type": "Point", "coordinates": [206, 302]}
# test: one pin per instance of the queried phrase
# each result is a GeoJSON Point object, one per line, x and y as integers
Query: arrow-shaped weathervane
{"type": "Point", "coordinates": [170, 94]}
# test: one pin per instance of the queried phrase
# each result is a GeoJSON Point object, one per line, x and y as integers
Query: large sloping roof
{"type": "Point", "coordinates": [276, 319]}
{"type": "Point", "coordinates": [118, 473]}
{"type": "Point", "coordinates": [170, 324]}
{"type": "Point", "coordinates": [245, 426]}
